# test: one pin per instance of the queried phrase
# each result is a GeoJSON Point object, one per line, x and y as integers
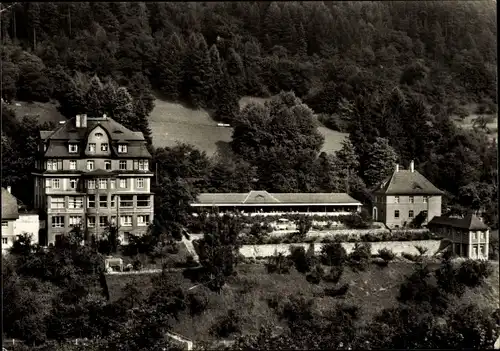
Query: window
{"type": "Point", "coordinates": [73, 182]}
{"type": "Point", "coordinates": [56, 183]}
{"type": "Point", "coordinates": [412, 199]}
{"type": "Point", "coordinates": [107, 165]}
{"type": "Point", "coordinates": [426, 199]}
{"type": "Point", "coordinates": [113, 200]}
{"type": "Point", "coordinates": [103, 221]}
{"type": "Point", "coordinates": [91, 184]}
{"type": "Point", "coordinates": [57, 202]}
{"type": "Point", "coordinates": [142, 220]}
{"type": "Point", "coordinates": [140, 183]}
{"type": "Point", "coordinates": [75, 202]}
{"type": "Point", "coordinates": [113, 220]}
{"type": "Point", "coordinates": [90, 165]}
{"type": "Point", "coordinates": [73, 148]}
{"type": "Point", "coordinates": [48, 183]}
{"type": "Point", "coordinates": [126, 221]}
{"type": "Point", "coordinates": [103, 183]}
{"type": "Point", "coordinates": [104, 147]}
{"type": "Point", "coordinates": [483, 236]}
{"type": "Point", "coordinates": [92, 147]}
{"type": "Point", "coordinates": [5, 241]}
{"type": "Point", "coordinates": [75, 221]}
{"type": "Point", "coordinates": [122, 148]}
{"type": "Point", "coordinates": [52, 165]}
{"type": "Point", "coordinates": [91, 201]}
{"type": "Point", "coordinates": [103, 200]}
{"type": "Point", "coordinates": [91, 222]}
{"type": "Point", "coordinates": [5, 224]}
{"type": "Point", "coordinates": [58, 222]}
{"type": "Point", "coordinates": [123, 183]}
{"type": "Point", "coordinates": [112, 183]}
{"type": "Point", "coordinates": [98, 135]}
{"type": "Point", "coordinates": [474, 235]}
{"type": "Point", "coordinates": [123, 165]}
{"type": "Point", "coordinates": [396, 214]}
{"type": "Point", "coordinates": [143, 165]}
{"type": "Point", "coordinates": [396, 199]}
{"type": "Point", "coordinates": [410, 214]}
{"type": "Point", "coordinates": [483, 250]}
{"type": "Point", "coordinates": [72, 164]}
{"type": "Point", "coordinates": [474, 251]}
{"type": "Point", "coordinates": [142, 200]}
{"type": "Point", "coordinates": [126, 201]}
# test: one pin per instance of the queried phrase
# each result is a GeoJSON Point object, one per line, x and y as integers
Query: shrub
{"type": "Point", "coordinates": [337, 292]}
{"type": "Point", "coordinates": [411, 257]}
{"type": "Point", "coordinates": [197, 301]}
{"type": "Point", "coordinates": [304, 224]}
{"type": "Point", "coordinates": [279, 264]}
{"type": "Point", "coordinates": [359, 259]}
{"type": "Point", "coordinates": [386, 254]}
{"type": "Point", "coordinates": [333, 254]}
{"type": "Point", "coordinates": [334, 274]}
{"type": "Point", "coordinates": [227, 325]}
{"type": "Point", "coordinates": [316, 275]}
{"type": "Point", "coordinates": [421, 250]}
{"type": "Point", "coordinates": [137, 264]}
{"type": "Point", "coordinates": [472, 273]}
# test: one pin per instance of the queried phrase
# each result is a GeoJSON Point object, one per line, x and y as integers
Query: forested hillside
{"type": "Point", "coordinates": [390, 73]}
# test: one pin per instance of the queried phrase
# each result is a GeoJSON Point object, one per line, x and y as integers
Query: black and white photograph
{"type": "Point", "coordinates": [249, 175]}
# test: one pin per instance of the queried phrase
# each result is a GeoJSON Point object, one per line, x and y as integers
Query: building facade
{"type": "Point", "coordinates": [15, 222]}
{"type": "Point", "coordinates": [469, 236]}
{"type": "Point", "coordinates": [262, 203]}
{"type": "Point", "coordinates": [93, 172]}
{"type": "Point", "coordinates": [404, 195]}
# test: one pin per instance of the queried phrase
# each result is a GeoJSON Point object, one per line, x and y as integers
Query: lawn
{"type": "Point", "coordinates": [249, 292]}
{"type": "Point", "coordinates": [44, 111]}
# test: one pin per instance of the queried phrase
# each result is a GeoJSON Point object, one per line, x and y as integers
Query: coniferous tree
{"type": "Point", "coordinates": [382, 162]}
{"type": "Point", "coordinates": [236, 71]}
{"type": "Point", "coordinates": [197, 73]}
{"type": "Point", "coordinates": [301, 41]}
{"type": "Point", "coordinates": [227, 106]}
{"type": "Point", "coordinates": [217, 77]}
{"type": "Point", "coordinates": [170, 66]}
{"type": "Point", "coordinates": [142, 121]}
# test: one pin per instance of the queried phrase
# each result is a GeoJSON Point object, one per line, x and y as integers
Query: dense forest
{"type": "Point", "coordinates": [390, 73]}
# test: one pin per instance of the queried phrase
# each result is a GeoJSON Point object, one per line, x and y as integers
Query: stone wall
{"type": "Point", "coordinates": [398, 247]}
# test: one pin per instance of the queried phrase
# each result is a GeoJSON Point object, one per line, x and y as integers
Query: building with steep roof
{"type": "Point", "coordinates": [16, 222]}
{"type": "Point", "coordinates": [92, 172]}
{"type": "Point", "coordinates": [403, 196]}
{"type": "Point", "coordinates": [264, 203]}
{"type": "Point", "coordinates": [469, 236]}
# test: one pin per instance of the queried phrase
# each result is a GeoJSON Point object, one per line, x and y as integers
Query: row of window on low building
{"type": "Point", "coordinates": [73, 148]}
{"type": "Point", "coordinates": [96, 184]}
{"type": "Point", "coordinates": [411, 199]}
{"type": "Point", "coordinates": [104, 221]}
{"type": "Point", "coordinates": [57, 165]}
{"type": "Point", "coordinates": [75, 202]}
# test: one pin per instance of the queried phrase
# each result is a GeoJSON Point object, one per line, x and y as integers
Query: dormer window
{"type": "Point", "coordinates": [92, 147]}
{"type": "Point", "coordinates": [73, 148]}
{"type": "Point", "coordinates": [104, 147]}
{"type": "Point", "coordinates": [122, 148]}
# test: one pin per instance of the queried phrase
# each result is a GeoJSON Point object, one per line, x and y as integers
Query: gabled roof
{"type": "Point", "coordinates": [69, 130]}
{"type": "Point", "coordinates": [9, 206]}
{"type": "Point", "coordinates": [470, 222]}
{"type": "Point", "coordinates": [263, 197]}
{"type": "Point", "coordinates": [406, 182]}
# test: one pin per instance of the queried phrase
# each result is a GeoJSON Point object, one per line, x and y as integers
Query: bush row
{"type": "Point", "coordinates": [294, 238]}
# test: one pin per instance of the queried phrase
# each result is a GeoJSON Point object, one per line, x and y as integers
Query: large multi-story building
{"type": "Point", "coordinates": [92, 172]}
{"type": "Point", "coordinates": [403, 196]}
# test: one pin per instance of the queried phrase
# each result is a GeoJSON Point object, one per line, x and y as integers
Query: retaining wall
{"type": "Point", "coordinates": [398, 247]}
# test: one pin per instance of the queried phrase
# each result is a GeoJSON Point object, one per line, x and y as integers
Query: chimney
{"type": "Point", "coordinates": [412, 166]}
{"type": "Point", "coordinates": [9, 189]}
{"type": "Point", "coordinates": [84, 121]}
{"type": "Point", "coordinates": [78, 121]}
{"type": "Point", "coordinates": [397, 167]}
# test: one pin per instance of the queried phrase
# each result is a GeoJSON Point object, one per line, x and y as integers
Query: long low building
{"type": "Point", "coordinates": [271, 204]}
